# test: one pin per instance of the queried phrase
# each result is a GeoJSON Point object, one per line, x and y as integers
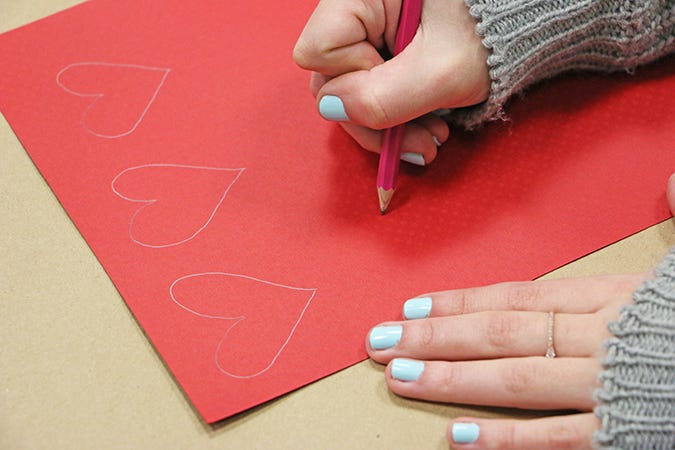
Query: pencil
{"type": "Point", "coordinates": [390, 155]}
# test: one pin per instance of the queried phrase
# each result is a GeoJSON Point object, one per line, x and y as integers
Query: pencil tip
{"type": "Point", "coordinates": [384, 196]}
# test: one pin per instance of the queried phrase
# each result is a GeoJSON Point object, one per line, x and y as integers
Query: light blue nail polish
{"type": "Point", "coordinates": [384, 337]}
{"type": "Point", "coordinates": [413, 158]}
{"type": "Point", "coordinates": [441, 111]}
{"type": "Point", "coordinates": [417, 308]}
{"type": "Point", "coordinates": [406, 369]}
{"type": "Point", "coordinates": [465, 433]}
{"type": "Point", "coordinates": [332, 108]}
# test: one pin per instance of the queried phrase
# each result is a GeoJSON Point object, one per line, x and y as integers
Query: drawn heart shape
{"type": "Point", "coordinates": [260, 317]}
{"type": "Point", "coordinates": [121, 94]}
{"type": "Point", "coordinates": [179, 201]}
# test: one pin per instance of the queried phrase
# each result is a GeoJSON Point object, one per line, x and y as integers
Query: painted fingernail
{"type": "Point", "coordinates": [413, 158]}
{"type": "Point", "coordinates": [441, 111]}
{"type": "Point", "coordinates": [436, 141]}
{"type": "Point", "coordinates": [465, 433]}
{"type": "Point", "coordinates": [384, 337]}
{"type": "Point", "coordinates": [332, 108]}
{"type": "Point", "coordinates": [417, 308]}
{"type": "Point", "coordinates": [406, 369]}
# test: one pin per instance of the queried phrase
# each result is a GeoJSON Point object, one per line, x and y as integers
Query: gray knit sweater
{"type": "Point", "coordinates": [637, 400]}
{"type": "Point", "coordinates": [531, 40]}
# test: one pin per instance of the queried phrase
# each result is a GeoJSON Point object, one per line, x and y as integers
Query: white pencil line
{"type": "Point", "coordinates": [239, 319]}
{"type": "Point", "coordinates": [150, 202]}
{"type": "Point", "coordinates": [99, 96]}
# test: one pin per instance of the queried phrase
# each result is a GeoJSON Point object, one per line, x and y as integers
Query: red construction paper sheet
{"type": "Point", "coordinates": [243, 231]}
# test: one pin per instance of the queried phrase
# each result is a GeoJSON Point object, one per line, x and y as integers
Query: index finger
{"type": "Point", "coordinates": [574, 295]}
{"type": "Point", "coordinates": [344, 36]}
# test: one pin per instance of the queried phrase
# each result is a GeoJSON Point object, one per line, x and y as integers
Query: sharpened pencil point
{"type": "Point", "coordinates": [390, 156]}
{"type": "Point", "coordinates": [384, 196]}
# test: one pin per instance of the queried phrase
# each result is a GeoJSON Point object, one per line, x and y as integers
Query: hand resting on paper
{"type": "Point", "coordinates": [443, 67]}
{"type": "Point", "coordinates": [487, 346]}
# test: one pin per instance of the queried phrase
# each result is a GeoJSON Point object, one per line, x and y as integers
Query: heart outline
{"type": "Point", "coordinates": [100, 95]}
{"type": "Point", "coordinates": [150, 202]}
{"type": "Point", "coordinates": [238, 319]}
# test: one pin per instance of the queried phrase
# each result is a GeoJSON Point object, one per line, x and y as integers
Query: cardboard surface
{"type": "Point", "coordinates": [80, 372]}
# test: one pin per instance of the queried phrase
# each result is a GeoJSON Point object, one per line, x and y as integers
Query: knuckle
{"type": "Point", "coordinates": [376, 115]}
{"type": "Point", "coordinates": [312, 54]}
{"type": "Point", "coordinates": [598, 332]}
{"type": "Point", "coordinates": [303, 55]}
{"type": "Point", "coordinates": [451, 380]}
{"type": "Point", "coordinates": [518, 378]}
{"type": "Point", "coordinates": [463, 302]}
{"type": "Point", "coordinates": [522, 296]}
{"type": "Point", "coordinates": [516, 434]}
{"type": "Point", "coordinates": [427, 332]}
{"type": "Point", "coordinates": [500, 329]}
{"type": "Point", "coordinates": [510, 435]}
{"type": "Point", "coordinates": [506, 438]}
{"type": "Point", "coordinates": [622, 286]}
{"type": "Point", "coordinates": [563, 437]}
{"type": "Point", "coordinates": [457, 302]}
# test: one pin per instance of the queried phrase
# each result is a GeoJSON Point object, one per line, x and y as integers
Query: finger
{"type": "Point", "coordinates": [443, 66]}
{"type": "Point", "coordinates": [391, 93]}
{"type": "Point", "coordinates": [439, 129]}
{"type": "Point", "coordinates": [572, 431]}
{"type": "Point", "coordinates": [316, 82]}
{"type": "Point", "coordinates": [372, 139]}
{"type": "Point", "coordinates": [345, 35]}
{"type": "Point", "coordinates": [417, 139]}
{"type": "Point", "coordinates": [531, 383]}
{"type": "Point", "coordinates": [574, 295]}
{"type": "Point", "coordinates": [491, 334]}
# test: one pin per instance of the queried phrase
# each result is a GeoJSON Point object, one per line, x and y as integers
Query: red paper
{"type": "Point", "coordinates": [244, 232]}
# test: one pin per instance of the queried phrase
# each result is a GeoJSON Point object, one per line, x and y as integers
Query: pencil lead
{"type": "Point", "coordinates": [384, 196]}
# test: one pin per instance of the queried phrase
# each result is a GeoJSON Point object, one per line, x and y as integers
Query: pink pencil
{"type": "Point", "coordinates": [387, 171]}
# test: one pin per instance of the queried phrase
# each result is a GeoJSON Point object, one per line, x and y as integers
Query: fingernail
{"type": "Point", "coordinates": [406, 369]}
{"type": "Point", "coordinates": [413, 158]}
{"type": "Point", "coordinates": [465, 433]}
{"type": "Point", "coordinates": [384, 337]}
{"type": "Point", "coordinates": [332, 108]}
{"type": "Point", "coordinates": [417, 308]}
{"type": "Point", "coordinates": [436, 141]}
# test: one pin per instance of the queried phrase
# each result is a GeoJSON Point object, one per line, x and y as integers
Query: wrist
{"type": "Point", "coordinates": [540, 39]}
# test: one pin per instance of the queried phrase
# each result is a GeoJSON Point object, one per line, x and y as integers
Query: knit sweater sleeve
{"type": "Point", "coordinates": [531, 40]}
{"type": "Point", "coordinates": [636, 402]}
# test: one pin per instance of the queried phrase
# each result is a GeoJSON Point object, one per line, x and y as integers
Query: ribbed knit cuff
{"type": "Point", "coordinates": [531, 40]}
{"type": "Point", "coordinates": [637, 400]}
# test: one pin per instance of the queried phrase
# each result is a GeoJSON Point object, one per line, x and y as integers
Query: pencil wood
{"type": "Point", "coordinates": [384, 196]}
{"type": "Point", "coordinates": [387, 173]}
{"type": "Point", "coordinates": [390, 159]}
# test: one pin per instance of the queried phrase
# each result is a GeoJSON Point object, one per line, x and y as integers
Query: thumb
{"type": "Point", "coordinates": [388, 94]}
{"type": "Point", "coordinates": [444, 66]}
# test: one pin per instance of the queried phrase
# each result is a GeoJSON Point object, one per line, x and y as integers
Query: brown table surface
{"type": "Point", "coordinates": [76, 370]}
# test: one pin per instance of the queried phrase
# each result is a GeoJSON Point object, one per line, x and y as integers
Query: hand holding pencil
{"type": "Point", "coordinates": [443, 67]}
{"type": "Point", "coordinates": [387, 171]}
